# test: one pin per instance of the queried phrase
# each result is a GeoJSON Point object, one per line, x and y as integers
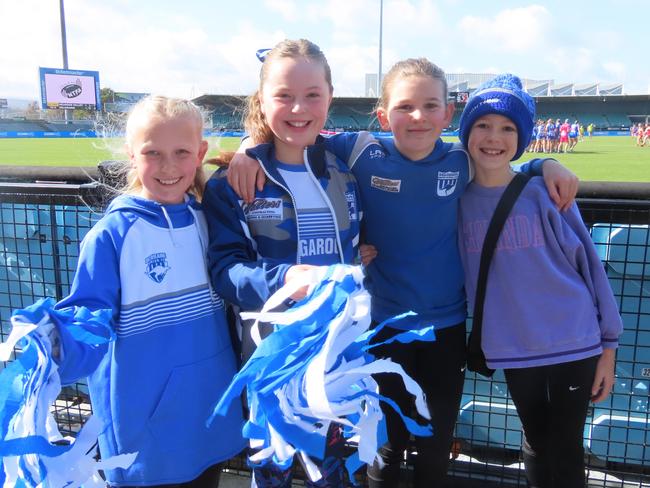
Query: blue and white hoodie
{"type": "Point", "coordinates": [252, 246]}
{"type": "Point", "coordinates": [156, 384]}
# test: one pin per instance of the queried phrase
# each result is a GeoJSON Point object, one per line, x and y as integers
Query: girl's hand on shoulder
{"type": "Point", "coordinates": [604, 378]}
{"type": "Point", "coordinates": [367, 252]}
{"type": "Point", "coordinates": [562, 184]}
{"type": "Point", "coordinates": [245, 173]}
{"type": "Point", "coordinates": [295, 272]}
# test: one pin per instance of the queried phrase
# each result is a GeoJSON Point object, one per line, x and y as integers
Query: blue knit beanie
{"type": "Point", "coordinates": [505, 96]}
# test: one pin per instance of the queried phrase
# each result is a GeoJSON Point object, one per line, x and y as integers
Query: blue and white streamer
{"type": "Point", "coordinates": [34, 453]}
{"type": "Point", "coordinates": [315, 369]}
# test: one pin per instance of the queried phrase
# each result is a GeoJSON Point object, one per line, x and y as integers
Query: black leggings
{"type": "Point", "coordinates": [552, 404]}
{"type": "Point", "coordinates": [438, 367]}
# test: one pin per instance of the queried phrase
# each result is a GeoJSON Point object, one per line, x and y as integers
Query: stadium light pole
{"type": "Point", "coordinates": [64, 42]}
{"type": "Point", "coordinates": [381, 29]}
{"type": "Point", "coordinates": [64, 50]}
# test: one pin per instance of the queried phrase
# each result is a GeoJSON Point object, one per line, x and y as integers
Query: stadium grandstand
{"type": "Point", "coordinates": [346, 113]}
{"type": "Point", "coordinates": [607, 113]}
{"type": "Point", "coordinates": [22, 124]}
{"type": "Point", "coordinates": [603, 105]}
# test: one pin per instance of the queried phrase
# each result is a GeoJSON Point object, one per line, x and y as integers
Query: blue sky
{"type": "Point", "coordinates": [191, 47]}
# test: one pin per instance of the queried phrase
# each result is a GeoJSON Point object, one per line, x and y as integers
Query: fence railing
{"type": "Point", "coordinates": [42, 224]}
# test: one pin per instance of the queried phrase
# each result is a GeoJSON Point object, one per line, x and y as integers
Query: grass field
{"type": "Point", "coordinates": [598, 159]}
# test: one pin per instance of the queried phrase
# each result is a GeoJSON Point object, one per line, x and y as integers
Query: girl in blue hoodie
{"type": "Point", "coordinates": [154, 386]}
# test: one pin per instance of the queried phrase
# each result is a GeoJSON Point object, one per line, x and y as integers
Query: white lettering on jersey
{"type": "Point", "coordinates": [317, 246]}
{"type": "Point", "coordinates": [263, 209]}
{"type": "Point", "coordinates": [385, 184]}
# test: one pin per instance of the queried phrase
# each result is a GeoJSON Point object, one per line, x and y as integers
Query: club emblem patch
{"type": "Point", "coordinates": [447, 181]}
{"type": "Point", "coordinates": [157, 266]}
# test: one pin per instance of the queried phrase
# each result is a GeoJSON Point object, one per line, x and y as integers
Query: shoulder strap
{"type": "Point", "coordinates": [501, 213]}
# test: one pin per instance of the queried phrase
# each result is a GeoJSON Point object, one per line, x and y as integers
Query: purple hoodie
{"type": "Point", "coordinates": [548, 299]}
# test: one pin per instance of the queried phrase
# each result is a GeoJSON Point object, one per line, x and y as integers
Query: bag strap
{"type": "Point", "coordinates": [507, 201]}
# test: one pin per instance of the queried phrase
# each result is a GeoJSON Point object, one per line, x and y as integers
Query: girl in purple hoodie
{"type": "Point", "coordinates": [550, 319]}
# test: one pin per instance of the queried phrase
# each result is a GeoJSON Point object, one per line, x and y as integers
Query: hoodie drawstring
{"type": "Point", "coordinates": [169, 224]}
{"type": "Point", "coordinates": [204, 245]}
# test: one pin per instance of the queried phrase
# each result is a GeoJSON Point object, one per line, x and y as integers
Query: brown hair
{"type": "Point", "coordinates": [254, 121]}
{"type": "Point", "coordinates": [161, 107]}
{"type": "Point", "coordinates": [410, 67]}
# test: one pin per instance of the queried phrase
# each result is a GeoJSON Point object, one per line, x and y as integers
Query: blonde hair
{"type": "Point", "coordinates": [254, 121]}
{"type": "Point", "coordinates": [158, 107]}
{"type": "Point", "coordinates": [406, 68]}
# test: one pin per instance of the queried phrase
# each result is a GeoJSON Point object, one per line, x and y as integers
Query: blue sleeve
{"type": "Point", "coordinates": [534, 167]}
{"type": "Point", "coordinates": [237, 273]}
{"type": "Point", "coordinates": [341, 145]}
{"type": "Point", "coordinates": [96, 286]}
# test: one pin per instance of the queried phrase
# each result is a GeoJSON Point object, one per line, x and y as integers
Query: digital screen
{"type": "Point", "coordinates": [69, 89]}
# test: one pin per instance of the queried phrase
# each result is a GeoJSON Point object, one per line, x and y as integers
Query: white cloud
{"type": "Point", "coordinates": [614, 69]}
{"type": "Point", "coordinates": [518, 30]}
{"type": "Point", "coordinates": [288, 9]}
{"type": "Point", "coordinates": [577, 65]}
{"type": "Point", "coordinates": [349, 68]}
{"type": "Point", "coordinates": [25, 27]}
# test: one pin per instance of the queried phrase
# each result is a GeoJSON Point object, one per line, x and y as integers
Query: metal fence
{"type": "Point", "coordinates": [41, 225]}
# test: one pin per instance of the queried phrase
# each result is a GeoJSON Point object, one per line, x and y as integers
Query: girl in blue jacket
{"type": "Point", "coordinates": [154, 386]}
{"type": "Point", "coordinates": [306, 215]}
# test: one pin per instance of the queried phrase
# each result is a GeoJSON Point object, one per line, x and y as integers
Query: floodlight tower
{"type": "Point", "coordinates": [64, 42]}
{"type": "Point", "coordinates": [64, 50]}
{"type": "Point", "coordinates": [381, 29]}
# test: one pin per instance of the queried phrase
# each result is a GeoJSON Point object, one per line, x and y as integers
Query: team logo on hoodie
{"type": "Point", "coordinates": [447, 181]}
{"type": "Point", "coordinates": [157, 266]}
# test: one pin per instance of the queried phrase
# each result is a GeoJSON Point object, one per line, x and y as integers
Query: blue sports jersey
{"type": "Point", "coordinates": [411, 218]}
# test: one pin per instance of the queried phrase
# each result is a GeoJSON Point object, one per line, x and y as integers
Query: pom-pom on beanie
{"type": "Point", "coordinates": [505, 96]}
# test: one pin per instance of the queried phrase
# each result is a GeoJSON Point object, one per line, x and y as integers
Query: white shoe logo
{"type": "Point", "coordinates": [573, 388]}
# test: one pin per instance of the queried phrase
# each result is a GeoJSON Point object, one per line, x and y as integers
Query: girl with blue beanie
{"type": "Point", "coordinates": [410, 185]}
{"type": "Point", "coordinates": [550, 319]}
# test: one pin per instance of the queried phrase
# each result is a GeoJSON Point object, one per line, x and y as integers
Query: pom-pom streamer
{"type": "Point", "coordinates": [315, 369]}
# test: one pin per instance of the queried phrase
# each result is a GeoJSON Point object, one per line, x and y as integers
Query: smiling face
{"type": "Point", "coordinates": [492, 145]}
{"type": "Point", "coordinates": [295, 99]}
{"type": "Point", "coordinates": [416, 112]}
{"type": "Point", "coordinates": [166, 153]}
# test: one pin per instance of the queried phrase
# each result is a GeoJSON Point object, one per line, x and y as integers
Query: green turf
{"type": "Point", "coordinates": [598, 159]}
{"type": "Point", "coordinates": [78, 152]}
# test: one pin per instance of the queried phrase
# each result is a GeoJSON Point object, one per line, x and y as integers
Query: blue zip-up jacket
{"type": "Point", "coordinates": [156, 384]}
{"type": "Point", "coordinates": [252, 246]}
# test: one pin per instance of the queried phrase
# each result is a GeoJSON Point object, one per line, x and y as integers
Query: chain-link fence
{"type": "Point", "coordinates": [42, 224]}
